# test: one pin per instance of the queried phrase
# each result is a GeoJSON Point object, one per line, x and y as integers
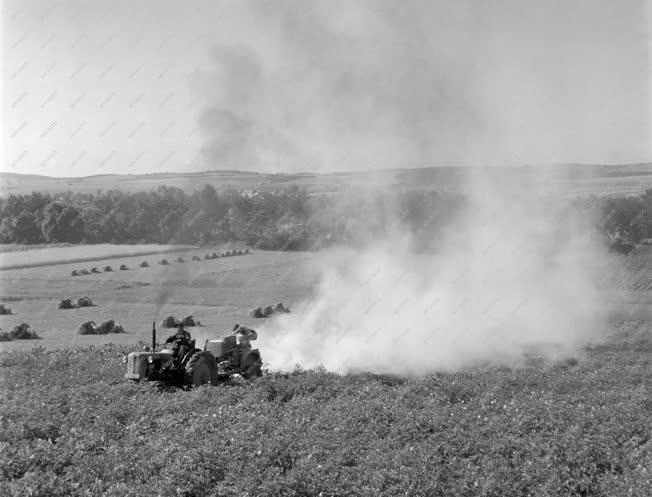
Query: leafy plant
{"type": "Point", "coordinates": [71, 425]}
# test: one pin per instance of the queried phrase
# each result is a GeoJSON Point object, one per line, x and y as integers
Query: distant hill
{"type": "Point", "coordinates": [573, 179]}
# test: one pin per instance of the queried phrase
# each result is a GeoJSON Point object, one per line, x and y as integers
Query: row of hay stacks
{"type": "Point", "coordinates": [172, 322]}
{"type": "Point", "coordinates": [24, 332]}
{"type": "Point", "coordinates": [20, 332]}
{"type": "Point", "coordinates": [70, 304]}
{"type": "Point", "coordinates": [90, 328]}
{"type": "Point", "coordinates": [207, 257]}
{"type": "Point", "coordinates": [228, 253]}
{"type": "Point", "coordinates": [94, 270]}
{"type": "Point", "coordinates": [162, 262]}
{"type": "Point", "coordinates": [260, 312]}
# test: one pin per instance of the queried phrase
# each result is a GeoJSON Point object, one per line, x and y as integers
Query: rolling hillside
{"type": "Point", "coordinates": [571, 179]}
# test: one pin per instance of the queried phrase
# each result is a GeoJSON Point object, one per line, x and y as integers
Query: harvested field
{"type": "Point", "coordinates": [220, 292]}
{"type": "Point", "coordinates": [66, 254]}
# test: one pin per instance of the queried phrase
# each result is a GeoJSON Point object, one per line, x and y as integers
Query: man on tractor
{"type": "Point", "coordinates": [180, 341]}
{"type": "Point", "coordinates": [244, 335]}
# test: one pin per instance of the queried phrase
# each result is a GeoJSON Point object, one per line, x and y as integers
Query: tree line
{"type": "Point", "coordinates": [289, 219]}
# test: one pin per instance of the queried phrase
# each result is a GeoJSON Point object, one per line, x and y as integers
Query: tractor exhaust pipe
{"type": "Point", "coordinates": [153, 336]}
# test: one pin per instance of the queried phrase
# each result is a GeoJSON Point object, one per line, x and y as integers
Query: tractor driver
{"type": "Point", "coordinates": [180, 340]}
{"type": "Point", "coordinates": [244, 335]}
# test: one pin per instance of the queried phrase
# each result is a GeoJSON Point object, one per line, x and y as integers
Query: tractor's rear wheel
{"type": "Point", "coordinates": [253, 370]}
{"type": "Point", "coordinates": [201, 369]}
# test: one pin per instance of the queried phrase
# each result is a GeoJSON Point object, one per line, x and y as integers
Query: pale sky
{"type": "Point", "coordinates": [133, 86]}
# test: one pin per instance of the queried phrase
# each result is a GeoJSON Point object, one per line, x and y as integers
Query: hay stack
{"type": "Point", "coordinates": [180, 259]}
{"type": "Point", "coordinates": [87, 328]}
{"type": "Point", "coordinates": [84, 302]}
{"type": "Point", "coordinates": [108, 269]}
{"type": "Point", "coordinates": [281, 308]}
{"type": "Point", "coordinates": [4, 309]}
{"type": "Point", "coordinates": [94, 270]}
{"type": "Point", "coordinates": [247, 251]}
{"type": "Point", "coordinates": [144, 264]}
{"type": "Point", "coordinates": [66, 304]}
{"type": "Point", "coordinates": [268, 311]}
{"type": "Point", "coordinates": [84, 271]}
{"type": "Point", "coordinates": [169, 322]}
{"type": "Point", "coordinates": [215, 255]}
{"type": "Point", "coordinates": [123, 267]}
{"type": "Point", "coordinates": [207, 257]}
{"type": "Point", "coordinates": [106, 327]}
{"type": "Point", "coordinates": [189, 321]}
{"type": "Point", "coordinates": [109, 326]}
{"type": "Point", "coordinates": [256, 312]}
{"type": "Point", "coordinates": [22, 332]}
{"type": "Point", "coordinates": [196, 258]}
{"type": "Point", "coordinates": [118, 329]}
{"type": "Point", "coordinates": [74, 273]}
{"type": "Point", "coordinates": [164, 262]}
{"type": "Point", "coordinates": [227, 254]}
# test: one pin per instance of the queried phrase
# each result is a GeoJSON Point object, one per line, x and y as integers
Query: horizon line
{"type": "Point", "coordinates": [315, 173]}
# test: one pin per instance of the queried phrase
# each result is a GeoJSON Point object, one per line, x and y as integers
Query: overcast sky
{"type": "Point", "coordinates": [134, 86]}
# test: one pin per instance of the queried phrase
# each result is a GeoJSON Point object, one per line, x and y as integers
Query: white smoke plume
{"type": "Point", "coordinates": [514, 276]}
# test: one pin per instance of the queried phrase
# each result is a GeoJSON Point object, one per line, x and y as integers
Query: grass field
{"type": "Point", "coordinates": [71, 425]}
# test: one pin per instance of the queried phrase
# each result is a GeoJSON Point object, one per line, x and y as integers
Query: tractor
{"type": "Point", "coordinates": [189, 366]}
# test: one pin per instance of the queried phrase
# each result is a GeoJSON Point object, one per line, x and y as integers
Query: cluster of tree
{"type": "Point", "coordinates": [289, 219]}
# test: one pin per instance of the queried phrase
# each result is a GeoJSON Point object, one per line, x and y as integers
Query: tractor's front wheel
{"type": "Point", "coordinates": [201, 369]}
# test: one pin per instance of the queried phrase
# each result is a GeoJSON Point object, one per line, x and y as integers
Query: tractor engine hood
{"type": "Point", "coordinates": [140, 364]}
